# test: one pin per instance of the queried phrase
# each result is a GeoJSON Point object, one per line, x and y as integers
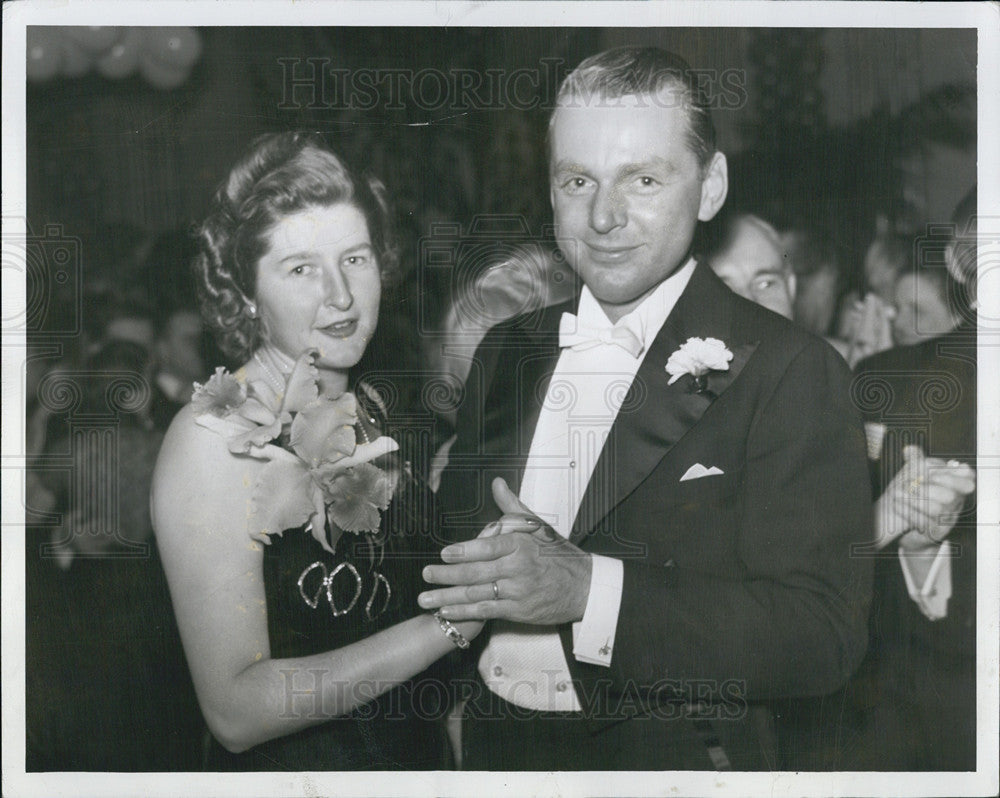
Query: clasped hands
{"type": "Point", "coordinates": [920, 504]}
{"type": "Point", "coordinates": [518, 568]}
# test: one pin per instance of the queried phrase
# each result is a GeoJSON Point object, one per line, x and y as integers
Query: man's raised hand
{"type": "Point", "coordinates": [519, 568]}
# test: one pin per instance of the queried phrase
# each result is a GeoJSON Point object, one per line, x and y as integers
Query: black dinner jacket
{"type": "Point", "coordinates": [739, 587]}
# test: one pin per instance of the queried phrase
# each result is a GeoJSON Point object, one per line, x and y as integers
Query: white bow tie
{"type": "Point", "coordinates": [580, 336]}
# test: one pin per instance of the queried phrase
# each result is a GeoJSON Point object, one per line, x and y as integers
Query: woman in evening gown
{"type": "Point", "coordinates": [291, 527]}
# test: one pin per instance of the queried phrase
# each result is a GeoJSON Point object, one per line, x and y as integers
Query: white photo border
{"type": "Point", "coordinates": [17, 15]}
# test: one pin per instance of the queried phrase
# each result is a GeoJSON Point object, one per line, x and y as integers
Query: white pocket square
{"type": "Point", "coordinates": [697, 471]}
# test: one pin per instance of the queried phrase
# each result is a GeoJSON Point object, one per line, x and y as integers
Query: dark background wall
{"type": "Point", "coordinates": [828, 127]}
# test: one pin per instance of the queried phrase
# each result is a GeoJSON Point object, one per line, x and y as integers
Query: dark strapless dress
{"type": "Point", "coordinates": [318, 602]}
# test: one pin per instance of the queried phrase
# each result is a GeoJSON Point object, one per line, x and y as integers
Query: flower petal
{"type": "Point", "coordinates": [366, 452]}
{"type": "Point", "coordinates": [283, 498]}
{"type": "Point", "coordinates": [359, 516]}
{"type": "Point", "coordinates": [680, 362]}
{"type": "Point", "coordinates": [241, 435]}
{"type": "Point", "coordinates": [715, 354]}
{"type": "Point", "coordinates": [227, 427]}
{"type": "Point", "coordinates": [358, 495]}
{"type": "Point", "coordinates": [301, 387]}
{"type": "Point", "coordinates": [256, 436]}
{"type": "Point", "coordinates": [323, 431]}
{"type": "Point", "coordinates": [220, 396]}
{"type": "Point", "coordinates": [253, 409]}
{"type": "Point", "coordinates": [698, 356]}
{"type": "Point", "coordinates": [317, 522]}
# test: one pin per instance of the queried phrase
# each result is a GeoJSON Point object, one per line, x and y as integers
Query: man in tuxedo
{"type": "Point", "coordinates": [677, 475]}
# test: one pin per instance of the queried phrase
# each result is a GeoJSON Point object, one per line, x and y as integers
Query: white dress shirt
{"type": "Point", "coordinates": [522, 663]}
{"type": "Point", "coordinates": [932, 596]}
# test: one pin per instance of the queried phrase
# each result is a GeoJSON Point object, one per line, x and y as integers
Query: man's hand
{"type": "Point", "coordinates": [540, 577]}
{"type": "Point", "coordinates": [922, 500]}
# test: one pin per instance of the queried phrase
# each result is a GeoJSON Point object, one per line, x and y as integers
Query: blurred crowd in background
{"type": "Point", "coordinates": [833, 223]}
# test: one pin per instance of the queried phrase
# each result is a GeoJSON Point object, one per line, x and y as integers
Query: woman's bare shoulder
{"type": "Point", "coordinates": [187, 440]}
{"type": "Point", "coordinates": [196, 469]}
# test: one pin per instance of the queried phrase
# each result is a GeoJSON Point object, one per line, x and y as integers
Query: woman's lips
{"type": "Point", "coordinates": [341, 329]}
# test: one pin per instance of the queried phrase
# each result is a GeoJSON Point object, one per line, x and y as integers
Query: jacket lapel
{"type": "Point", "coordinates": [655, 415]}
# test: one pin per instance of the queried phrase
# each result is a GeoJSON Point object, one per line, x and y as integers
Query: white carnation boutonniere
{"type": "Point", "coordinates": [698, 357]}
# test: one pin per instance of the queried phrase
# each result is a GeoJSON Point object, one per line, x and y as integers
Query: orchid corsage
{"type": "Point", "coordinates": [316, 469]}
{"type": "Point", "coordinates": [698, 357]}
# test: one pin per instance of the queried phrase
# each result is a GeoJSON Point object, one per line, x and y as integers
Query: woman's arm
{"type": "Point", "coordinates": [201, 495]}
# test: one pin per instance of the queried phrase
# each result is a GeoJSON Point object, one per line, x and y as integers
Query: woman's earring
{"type": "Point", "coordinates": [252, 310]}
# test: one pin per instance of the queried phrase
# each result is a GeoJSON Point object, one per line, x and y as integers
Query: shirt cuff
{"type": "Point", "coordinates": [594, 636]}
{"type": "Point", "coordinates": [932, 597]}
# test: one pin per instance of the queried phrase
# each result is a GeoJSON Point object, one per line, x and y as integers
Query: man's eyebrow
{"type": "Point", "coordinates": [359, 246]}
{"type": "Point", "coordinates": [567, 166]}
{"type": "Point", "coordinates": [655, 162]}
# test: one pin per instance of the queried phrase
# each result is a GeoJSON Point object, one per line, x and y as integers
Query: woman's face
{"type": "Point", "coordinates": [318, 285]}
{"type": "Point", "coordinates": [921, 311]}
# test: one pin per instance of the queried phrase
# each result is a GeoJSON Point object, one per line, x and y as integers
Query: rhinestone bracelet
{"type": "Point", "coordinates": [450, 631]}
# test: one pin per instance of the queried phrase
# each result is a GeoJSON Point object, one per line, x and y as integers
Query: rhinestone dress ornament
{"type": "Point", "coordinates": [327, 583]}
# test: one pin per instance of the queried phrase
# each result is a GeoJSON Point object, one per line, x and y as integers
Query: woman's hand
{"type": "Point", "coordinates": [471, 629]}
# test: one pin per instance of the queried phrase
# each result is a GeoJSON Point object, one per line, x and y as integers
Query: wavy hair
{"type": "Point", "coordinates": [280, 174]}
{"type": "Point", "coordinates": [643, 71]}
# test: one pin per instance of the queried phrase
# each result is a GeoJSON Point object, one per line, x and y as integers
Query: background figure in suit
{"type": "Point", "coordinates": [676, 546]}
{"type": "Point", "coordinates": [920, 409]}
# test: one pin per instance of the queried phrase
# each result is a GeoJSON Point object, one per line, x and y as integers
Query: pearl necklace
{"type": "Point", "coordinates": [273, 377]}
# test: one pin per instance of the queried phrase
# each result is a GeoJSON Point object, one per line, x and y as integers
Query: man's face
{"type": "Point", "coordinates": [627, 192]}
{"type": "Point", "coordinates": [753, 266]}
